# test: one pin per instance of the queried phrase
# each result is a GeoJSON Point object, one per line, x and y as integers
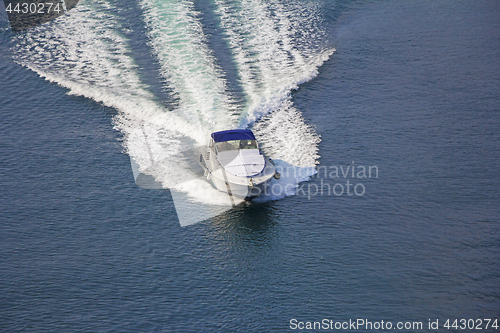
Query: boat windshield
{"type": "Point", "coordinates": [236, 144]}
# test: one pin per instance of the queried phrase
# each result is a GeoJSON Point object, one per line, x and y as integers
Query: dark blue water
{"type": "Point", "coordinates": [412, 90]}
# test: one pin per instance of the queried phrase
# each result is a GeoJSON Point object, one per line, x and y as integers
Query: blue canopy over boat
{"type": "Point", "coordinates": [236, 134]}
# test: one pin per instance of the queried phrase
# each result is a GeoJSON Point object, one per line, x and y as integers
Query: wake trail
{"type": "Point", "coordinates": [276, 46]}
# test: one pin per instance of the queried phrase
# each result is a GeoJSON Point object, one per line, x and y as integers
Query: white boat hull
{"type": "Point", "coordinates": [238, 190]}
{"type": "Point", "coordinates": [234, 164]}
{"type": "Point", "coordinates": [245, 187]}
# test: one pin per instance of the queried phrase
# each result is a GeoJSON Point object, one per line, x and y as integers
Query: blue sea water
{"type": "Point", "coordinates": [411, 91]}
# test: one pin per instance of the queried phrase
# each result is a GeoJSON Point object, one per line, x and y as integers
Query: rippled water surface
{"type": "Point", "coordinates": [410, 94]}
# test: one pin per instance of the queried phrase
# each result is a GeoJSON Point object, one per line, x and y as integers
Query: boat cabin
{"type": "Point", "coordinates": [233, 140]}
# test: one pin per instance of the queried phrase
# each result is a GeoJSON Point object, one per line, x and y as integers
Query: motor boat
{"type": "Point", "coordinates": [234, 163]}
